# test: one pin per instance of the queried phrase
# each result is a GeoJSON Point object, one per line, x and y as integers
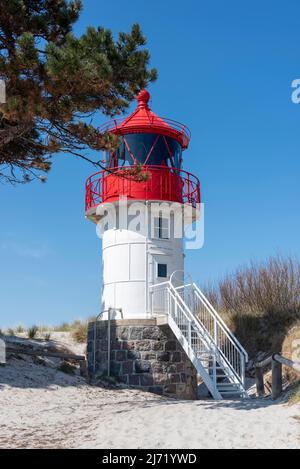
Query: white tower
{"type": "Point", "coordinates": [138, 201]}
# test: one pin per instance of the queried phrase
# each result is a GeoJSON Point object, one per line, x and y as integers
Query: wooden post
{"type": "Point", "coordinates": [276, 379]}
{"type": "Point", "coordinates": [83, 368]}
{"type": "Point", "coordinates": [259, 380]}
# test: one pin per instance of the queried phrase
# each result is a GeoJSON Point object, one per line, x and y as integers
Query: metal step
{"type": "Point", "coordinates": [228, 388]}
{"type": "Point", "coordinates": [231, 393]}
{"type": "Point", "coordinates": [234, 385]}
{"type": "Point", "coordinates": [219, 368]}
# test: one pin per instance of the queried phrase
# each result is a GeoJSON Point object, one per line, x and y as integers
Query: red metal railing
{"type": "Point", "coordinates": [151, 123]}
{"type": "Point", "coordinates": [163, 183]}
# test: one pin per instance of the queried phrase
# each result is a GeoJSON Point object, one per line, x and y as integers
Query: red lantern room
{"type": "Point", "coordinates": [150, 158]}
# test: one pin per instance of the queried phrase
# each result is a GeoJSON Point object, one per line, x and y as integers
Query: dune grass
{"type": "Point", "coordinates": [294, 397]}
{"type": "Point", "coordinates": [77, 328]}
{"type": "Point", "coordinates": [260, 302]}
{"type": "Point", "coordinates": [32, 332]}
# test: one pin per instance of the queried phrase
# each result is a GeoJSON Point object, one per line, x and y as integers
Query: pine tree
{"type": "Point", "coordinates": [56, 82]}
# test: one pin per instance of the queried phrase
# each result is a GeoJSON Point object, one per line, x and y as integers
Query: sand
{"type": "Point", "coordinates": [45, 408]}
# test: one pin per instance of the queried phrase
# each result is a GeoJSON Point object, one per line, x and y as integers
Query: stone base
{"type": "Point", "coordinates": [144, 355]}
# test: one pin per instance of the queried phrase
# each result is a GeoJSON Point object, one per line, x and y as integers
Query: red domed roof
{"type": "Point", "coordinates": [143, 120]}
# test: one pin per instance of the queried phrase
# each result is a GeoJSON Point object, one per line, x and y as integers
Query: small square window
{"type": "Point", "coordinates": [162, 270]}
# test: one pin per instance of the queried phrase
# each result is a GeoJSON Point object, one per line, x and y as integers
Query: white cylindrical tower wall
{"type": "Point", "coordinates": [145, 252]}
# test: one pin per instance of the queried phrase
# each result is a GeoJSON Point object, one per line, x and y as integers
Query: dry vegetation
{"type": "Point", "coordinates": [261, 303]}
{"type": "Point", "coordinates": [77, 330]}
{"type": "Point", "coordinates": [32, 332]}
{"type": "Point", "coordinates": [294, 398]}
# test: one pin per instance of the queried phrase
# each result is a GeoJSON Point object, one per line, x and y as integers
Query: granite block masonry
{"type": "Point", "coordinates": [144, 355]}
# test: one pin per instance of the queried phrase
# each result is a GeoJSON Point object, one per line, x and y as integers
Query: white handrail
{"type": "Point", "coordinates": [216, 315]}
{"type": "Point", "coordinates": [221, 321]}
{"type": "Point", "coordinates": [213, 342]}
{"type": "Point", "coordinates": [209, 327]}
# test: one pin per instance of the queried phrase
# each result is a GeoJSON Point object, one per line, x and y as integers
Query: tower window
{"type": "Point", "coordinates": [161, 228]}
{"type": "Point", "coordinates": [148, 149]}
{"type": "Point", "coordinates": [162, 270]}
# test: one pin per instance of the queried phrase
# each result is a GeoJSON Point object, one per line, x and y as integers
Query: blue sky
{"type": "Point", "coordinates": [225, 70]}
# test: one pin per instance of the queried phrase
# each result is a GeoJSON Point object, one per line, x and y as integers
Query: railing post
{"type": "Point", "coordinates": [259, 381]}
{"type": "Point", "coordinates": [166, 295]}
{"type": "Point", "coordinates": [214, 371]}
{"type": "Point", "coordinates": [190, 333]}
{"type": "Point", "coordinates": [102, 186]}
{"type": "Point", "coordinates": [276, 379]}
{"type": "Point", "coordinates": [215, 332]}
{"type": "Point", "coordinates": [243, 366]}
{"type": "Point", "coordinates": [151, 293]}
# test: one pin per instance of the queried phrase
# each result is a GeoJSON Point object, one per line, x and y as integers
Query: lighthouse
{"type": "Point", "coordinates": [156, 331]}
{"type": "Point", "coordinates": [144, 174]}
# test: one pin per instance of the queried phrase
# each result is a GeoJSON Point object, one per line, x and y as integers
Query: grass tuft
{"type": "Point", "coordinates": [79, 332]}
{"type": "Point", "coordinates": [77, 328]}
{"type": "Point", "coordinates": [32, 332]}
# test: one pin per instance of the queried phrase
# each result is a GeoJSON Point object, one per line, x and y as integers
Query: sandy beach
{"type": "Point", "coordinates": [45, 408]}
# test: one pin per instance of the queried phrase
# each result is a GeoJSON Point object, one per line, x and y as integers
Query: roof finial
{"type": "Point", "coordinates": [143, 98]}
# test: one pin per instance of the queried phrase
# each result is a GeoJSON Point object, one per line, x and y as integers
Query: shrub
{"type": "Point", "coordinates": [10, 331]}
{"type": "Point", "coordinates": [291, 350]}
{"type": "Point", "coordinates": [67, 368]}
{"type": "Point", "coordinates": [32, 332]}
{"type": "Point", "coordinates": [79, 333]}
{"type": "Point", "coordinates": [260, 302]}
{"type": "Point", "coordinates": [80, 328]}
{"type": "Point", "coordinates": [47, 337]}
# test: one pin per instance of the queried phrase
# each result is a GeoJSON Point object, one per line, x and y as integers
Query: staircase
{"type": "Point", "coordinates": [215, 352]}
